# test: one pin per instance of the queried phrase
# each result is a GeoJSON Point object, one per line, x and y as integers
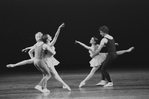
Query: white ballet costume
{"type": "Point", "coordinates": [98, 59]}
{"type": "Point", "coordinates": [50, 60]}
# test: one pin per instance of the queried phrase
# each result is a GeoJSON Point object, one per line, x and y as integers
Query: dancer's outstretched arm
{"type": "Point", "coordinates": [57, 34]}
{"type": "Point", "coordinates": [27, 48]}
{"type": "Point", "coordinates": [124, 51]}
{"type": "Point", "coordinates": [82, 44]}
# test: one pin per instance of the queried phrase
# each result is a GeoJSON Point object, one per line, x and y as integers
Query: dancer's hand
{"type": "Point", "coordinates": [10, 65]}
{"type": "Point", "coordinates": [62, 25]}
{"type": "Point", "coordinates": [130, 49]}
{"type": "Point", "coordinates": [116, 44]}
{"type": "Point", "coordinates": [76, 41]}
{"type": "Point", "coordinates": [24, 50]}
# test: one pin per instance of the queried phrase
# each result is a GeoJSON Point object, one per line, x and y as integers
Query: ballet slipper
{"type": "Point", "coordinates": [82, 84]}
{"type": "Point", "coordinates": [39, 88]}
{"type": "Point", "coordinates": [102, 82]}
{"type": "Point", "coordinates": [66, 87]}
{"type": "Point", "coordinates": [46, 90]}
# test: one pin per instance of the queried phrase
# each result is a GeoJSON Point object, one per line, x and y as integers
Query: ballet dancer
{"type": "Point", "coordinates": [52, 62]}
{"type": "Point", "coordinates": [38, 36]}
{"type": "Point", "coordinates": [97, 61]}
{"type": "Point", "coordinates": [109, 41]}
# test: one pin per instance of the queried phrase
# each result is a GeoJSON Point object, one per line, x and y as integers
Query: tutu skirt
{"type": "Point", "coordinates": [51, 61]}
{"type": "Point", "coordinates": [98, 60]}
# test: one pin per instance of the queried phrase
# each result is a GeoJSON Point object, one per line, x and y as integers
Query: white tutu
{"type": "Point", "coordinates": [98, 60]}
{"type": "Point", "coordinates": [51, 61]}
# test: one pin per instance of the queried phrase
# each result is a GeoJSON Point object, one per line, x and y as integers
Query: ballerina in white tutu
{"type": "Point", "coordinates": [51, 61]}
{"type": "Point", "coordinates": [97, 61]}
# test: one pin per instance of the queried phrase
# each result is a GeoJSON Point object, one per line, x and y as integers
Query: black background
{"type": "Point", "coordinates": [128, 22]}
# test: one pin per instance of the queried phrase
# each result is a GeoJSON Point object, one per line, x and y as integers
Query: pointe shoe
{"type": "Point", "coordinates": [109, 84]}
{"type": "Point", "coordinates": [66, 87]}
{"type": "Point", "coordinates": [101, 83]}
{"type": "Point", "coordinates": [10, 65]}
{"type": "Point", "coordinates": [130, 49]}
{"type": "Point", "coordinates": [82, 84]}
{"type": "Point", "coordinates": [38, 87]}
{"type": "Point", "coordinates": [46, 90]}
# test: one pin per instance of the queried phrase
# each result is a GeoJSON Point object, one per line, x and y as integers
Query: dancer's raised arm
{"type": "Point", "coordinates": [82, 44]}
{"type": "Point", "coordinates": [57, 34]}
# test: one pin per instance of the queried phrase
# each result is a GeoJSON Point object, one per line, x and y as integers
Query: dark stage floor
{"type": "Point", "coordinates": [127, 85]}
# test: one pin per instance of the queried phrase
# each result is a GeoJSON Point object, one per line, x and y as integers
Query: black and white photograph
{"type": "Point", "coordinates": [74, 49]}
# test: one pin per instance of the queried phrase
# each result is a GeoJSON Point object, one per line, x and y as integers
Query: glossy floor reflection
{"type": "Point", "coordinates": [127, 85]}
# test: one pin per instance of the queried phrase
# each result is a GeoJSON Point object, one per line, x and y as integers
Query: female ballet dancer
{"type": "Point", "coordinates": [97, 61]}
{"type": "Point", "coordinates": [50, 60]}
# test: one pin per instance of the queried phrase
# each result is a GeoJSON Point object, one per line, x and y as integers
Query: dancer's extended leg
{"type": "Point", "coordinates": [124, 51]}
{"type": "Point", "coordinates": [94, 69]}
{"type": "Point", "coordinates": [24, 62]}
{"type": "Point", "coordinates": [44, 68]}
{"type": "Point", "coordinates": [57, 77]}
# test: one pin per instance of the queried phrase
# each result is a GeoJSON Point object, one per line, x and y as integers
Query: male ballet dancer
{"type": "Point", "coordinates": [109, 41]}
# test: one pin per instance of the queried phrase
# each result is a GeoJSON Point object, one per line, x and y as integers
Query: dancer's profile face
{"type": "Point", "coordinates": [49, 38]}
{"type": "Point", "coordinates": [102, 33]}
{"type": "Point", "coordinates": [92, 41]}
